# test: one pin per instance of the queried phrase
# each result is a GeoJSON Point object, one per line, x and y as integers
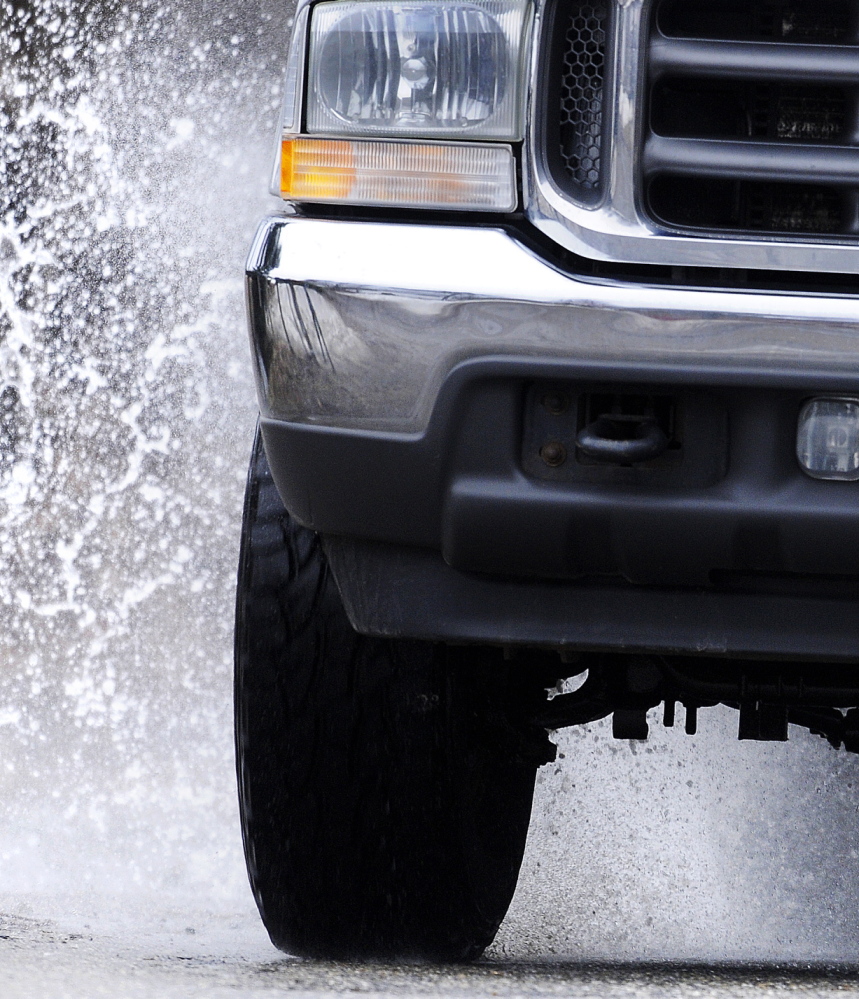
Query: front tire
{"type": "Point", "coordinates": [385, 789]}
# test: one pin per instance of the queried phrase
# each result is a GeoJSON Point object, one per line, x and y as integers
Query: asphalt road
{"type": "Point", "coordinates": [221, 958]}
{"type": "Point", "coordinates": [138, 140]}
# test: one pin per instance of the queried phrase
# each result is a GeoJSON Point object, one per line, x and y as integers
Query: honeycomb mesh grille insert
{"type": "Point", "coordinates": [581, 98]}
{"type": "Point", "coordinates": [754, 117]}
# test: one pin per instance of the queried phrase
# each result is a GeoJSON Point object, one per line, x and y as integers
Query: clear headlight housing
{"type": "Point", "coordinates": [415, 68]}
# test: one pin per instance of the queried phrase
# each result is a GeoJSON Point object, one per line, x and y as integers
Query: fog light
{"type": "Point", "coordinates": [827, 438]}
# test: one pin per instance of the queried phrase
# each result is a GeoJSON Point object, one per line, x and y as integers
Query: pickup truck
{"type": "Point", "coordinates": [556, 343]}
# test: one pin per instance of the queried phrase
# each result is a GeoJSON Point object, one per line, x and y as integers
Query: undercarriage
{"type": "Point", "coordinates": [819, 697]}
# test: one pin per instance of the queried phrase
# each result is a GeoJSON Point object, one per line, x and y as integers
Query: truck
{"type": "Point", "coordinates": [556, 344]}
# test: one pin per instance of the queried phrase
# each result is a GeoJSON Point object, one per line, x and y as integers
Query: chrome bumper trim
{"type": "Point", "coordinates": [357, 324]}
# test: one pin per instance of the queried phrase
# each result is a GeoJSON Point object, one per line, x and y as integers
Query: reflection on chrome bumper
{"type": "Point", "coordinates": [357, 324]}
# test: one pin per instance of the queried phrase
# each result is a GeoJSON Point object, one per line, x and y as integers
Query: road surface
{"type": "Point", "coordinates": [222, 958]}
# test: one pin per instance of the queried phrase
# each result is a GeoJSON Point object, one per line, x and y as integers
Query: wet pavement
{"type": "Point", "coordinates": [225, 956]}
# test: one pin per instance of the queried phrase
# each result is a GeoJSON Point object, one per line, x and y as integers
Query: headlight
{"type": "Point", "coordinates": [414, 68]}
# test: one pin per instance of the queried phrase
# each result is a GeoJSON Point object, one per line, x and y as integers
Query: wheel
{"type": "Point", "coordinates": [385, 786]}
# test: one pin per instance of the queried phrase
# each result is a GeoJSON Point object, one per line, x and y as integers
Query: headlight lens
{"type": "Point", "coordinates": [416, 68]}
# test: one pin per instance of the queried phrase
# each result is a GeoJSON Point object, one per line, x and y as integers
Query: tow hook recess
{"type": "Point", "coordinates": [622, 439]}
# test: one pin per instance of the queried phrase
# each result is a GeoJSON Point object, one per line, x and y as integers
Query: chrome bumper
{"type": "Point", "coordinates": [356, 325]}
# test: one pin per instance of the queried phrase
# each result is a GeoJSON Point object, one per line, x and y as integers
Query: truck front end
{"type": "Point", "coordinates": [557, 349]}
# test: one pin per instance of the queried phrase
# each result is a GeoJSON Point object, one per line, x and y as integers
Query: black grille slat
{"type": "Point", "coordinates": [750, 61]}
{"type": "Point", "coordinates": [753, 122]}
{"type": "Point", "coordinates": [833, 165]}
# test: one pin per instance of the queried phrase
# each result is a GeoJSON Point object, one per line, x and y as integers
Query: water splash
{"type": "Point", "coordinates": [135, 171]}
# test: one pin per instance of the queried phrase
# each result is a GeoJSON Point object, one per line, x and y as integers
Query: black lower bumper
{"type": "Point", "coordinates": [723, 546]}
{"type": "Point", "coordinates": [389, 590]}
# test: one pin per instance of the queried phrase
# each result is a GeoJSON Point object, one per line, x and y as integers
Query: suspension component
{"type": "Point", "coordinates": [768, 697]}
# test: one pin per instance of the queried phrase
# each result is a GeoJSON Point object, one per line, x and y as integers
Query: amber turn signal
{"type": "Point", "coordinates": [461, 175]}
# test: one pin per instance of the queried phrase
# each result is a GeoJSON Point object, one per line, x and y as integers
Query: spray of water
{"type": "Point", "coordinates": [136, 143]}
{"type": "Point", "coordinates": [138, 137]}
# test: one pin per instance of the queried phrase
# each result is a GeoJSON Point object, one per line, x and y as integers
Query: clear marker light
{"type": "Point", "coordinates": [827, 440]}
{"type": "Point", "coordinates": [412, 174]}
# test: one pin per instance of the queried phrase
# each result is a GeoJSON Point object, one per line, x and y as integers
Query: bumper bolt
{"type": "Point", "coordinates": [553, 453]}
{"type": "Point", "coordinates": [556, 403]}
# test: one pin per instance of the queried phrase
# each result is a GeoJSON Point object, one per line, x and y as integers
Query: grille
{"type": "Point", "coordinates": [768, 21]}
{"type": "Point", "coordinates": [754, 116]}
{"type": "Point", "coordinates": [582, 74]}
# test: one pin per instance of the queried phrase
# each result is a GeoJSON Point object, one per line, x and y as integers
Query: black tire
{"type": "Point", "coordinates": [384, 791]}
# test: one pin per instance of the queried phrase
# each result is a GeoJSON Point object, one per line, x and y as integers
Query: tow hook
{"type": "Point", "coordinates": [622, 439]}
